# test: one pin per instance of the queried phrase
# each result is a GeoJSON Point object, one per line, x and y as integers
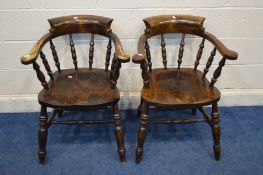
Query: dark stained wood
{"type": "Point", "coordinates": [218, 71]}
{"type": "Point", "coordinates": [148, 55]}
{"type": "Point", "coordinates": [83, 122]}
{"type": "Point", "coordinates": [80, 24]}
{"type": "Point", "coordinates": [115, 72]}
{"type": "Point", "coordinates": [145, 75]}
{"type": "Point", "coordinates": [181, 52]}
{"type": "Point", "coordinates": [206, 116]}
{"type": "Point", "coordinates": [91, 51]}
{"type": "Point", "coordinates": [156, 25]}
{"type": "Point", "coordinates": [199, 53]}
{"type": "Point", "coordinates": [142, 131]}
{"type": "Point", "coordinates": [40, 76]}
{"type": "Point", "coordinates": [188, 90]}
{"type": "Point", "coordinates": [73, 52]}
{"type": "Point", "coordinates": [216, 130]}
{"type": "Point", "coordinates": [78, 88]}
{"type": "Point", "coordinates": [179, 88]}
{"type": "Point", "coordinates": [42, 135]}
{"type": "Point", "coordinates": [51, 117]}
{"type": "Point", "coordinates": [108, 55]}
{"type": "Point", "coordinates": [119, 132]}
{"type": "Point", "coordinates": [47, 67]}
{"type": "Point", "coordinates": [209, 62]}
{"type": "Point", "coordinates": [77, 24]}
{"type": "Point", "coordinates": [177, 121]}
{"type": "Point", "coordinates": [163, 52]}
{"type": "Point", "coordinates": [55, 55]}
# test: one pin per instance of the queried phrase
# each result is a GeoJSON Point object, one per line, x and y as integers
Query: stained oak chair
{"type": "Point", "coordinates": [78, 88]}
{"type": "Point", "coordinates": [179, 88]}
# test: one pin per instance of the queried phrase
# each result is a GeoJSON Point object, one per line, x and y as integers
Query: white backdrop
{"type": "Point", "coordinates": [238, 23]}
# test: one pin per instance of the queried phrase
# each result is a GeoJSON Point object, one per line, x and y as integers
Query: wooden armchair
{"type": "Point", "coordinates": [179, 88]}
{"type": "Point", "coordinates": [78, 88]}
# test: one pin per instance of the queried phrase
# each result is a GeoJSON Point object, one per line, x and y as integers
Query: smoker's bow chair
{"type": "Point", "coordinates": [78, 88]}
{"type": "Point", "coordinates": [179, 88]}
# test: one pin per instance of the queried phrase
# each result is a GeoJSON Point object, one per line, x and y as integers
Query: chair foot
{"type": "Point", "coordinates": [138, 153]}
{"type": "Point", "coordinates": [122, 156]}
{"type": "Point", "coordinates": [217, 151]}
{"type": "Point", "coordinates": [216, 131]}
{"type": "Point", "coordinates": [119, 132]}
{"type": "Point", "coordinates": [142, 132]}
{"type": "Point", "coordinates": [41, 157]}
{"type": "Point", "coordinates": [42, 135]}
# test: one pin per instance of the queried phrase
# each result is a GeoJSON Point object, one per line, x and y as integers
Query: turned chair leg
{"type": "Point", "coordinates": [142, 131]}
{"type": "Point", "coordinates": [119, 132]}
{"type": "Point", "coordinates": [139, 108]}
{"type": "Point", "coordinates": [216, 131]}
{"type": "Point", "coordinates": [42, 134]}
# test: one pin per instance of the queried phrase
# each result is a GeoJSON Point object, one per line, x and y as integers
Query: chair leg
{"type": "Point", "coordinates": [119, 132]}
{"type": "Point", "coordinates": [216, 131]}
{"type": "Point", "coordinates": [142, 131]}
{"type": "Point", "coordinates": [42, 134]}
{"type": "Point", "coordinates": [194, 111]}
{"type": "Point", "coordinates": [139, 108]}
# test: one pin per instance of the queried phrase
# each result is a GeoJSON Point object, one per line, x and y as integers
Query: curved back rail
{"type": "Point", "coordinates": [184, 24]}
{"type": "Point", "coordinates": [69, 25]}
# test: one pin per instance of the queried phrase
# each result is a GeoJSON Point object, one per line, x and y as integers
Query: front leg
{"type": "Point", "coordinates": [119, 132]}
{"type": "Point", "coordinates": [216, 131]}
{"type": "Point", "coordinates": [142, 131]}
{"type": "Point", "coordinates": [42, 134]}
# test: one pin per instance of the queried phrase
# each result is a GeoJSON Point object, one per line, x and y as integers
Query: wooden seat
{"type": "Point", "coordinates": [71, 89]}
{"type": "Point", "coordinates": [78, 88]}
{"type": "Point", "coordinates": [170, 89]}
{"type": "Point", "coordinates": [179, 88]}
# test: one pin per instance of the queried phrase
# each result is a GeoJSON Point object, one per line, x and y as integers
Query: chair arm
{"type": "Point", "coordinates": [140, 57]}
{"type": "Point", "coordinates": [32, 56]}
{"type": "Point", "coordinates": [223, 50]}
{"type": "Point", "coordinates": [119, 52]}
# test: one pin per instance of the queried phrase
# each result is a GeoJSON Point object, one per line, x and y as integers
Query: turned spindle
{"type": "Point", "coordinates": [148, 55]}
{"type": "Point", "coordinates": [73, 52]}
{"type": "Point", "coordinates": [108, 55]}
{"type": "Point", "coordinates": [91, 51]}
{"type": "Point", "coordinates": [218, 71]}
{"type": "Point", "coordinates": [46, 65]}
{"type": "Point", "coordinates": [181, 52]}
{"type": "Point", "coordinates": [40, 75]}
{"type": "Point", "coordinates": [199, 53]}
{"type": "Point", "coordinates": [115, 72]}
{"type": "Point", "coordinates": [163, 52]}
{"type": "Point", "coordinates": [55, 56]}
{"type": "Point", "coordinates": [209, 62]}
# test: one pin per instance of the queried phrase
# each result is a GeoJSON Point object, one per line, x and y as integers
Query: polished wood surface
{"type": "Point", "coordinates": [179, 88]}
{"type": "Point", "coordinates": [78, 88]}
{"type": "Point", "coordinates": [82, 88]}
{"type": "Point", "coordinates": [186, 89]}
{"type": "Point", "coordinates": [77, 24]}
